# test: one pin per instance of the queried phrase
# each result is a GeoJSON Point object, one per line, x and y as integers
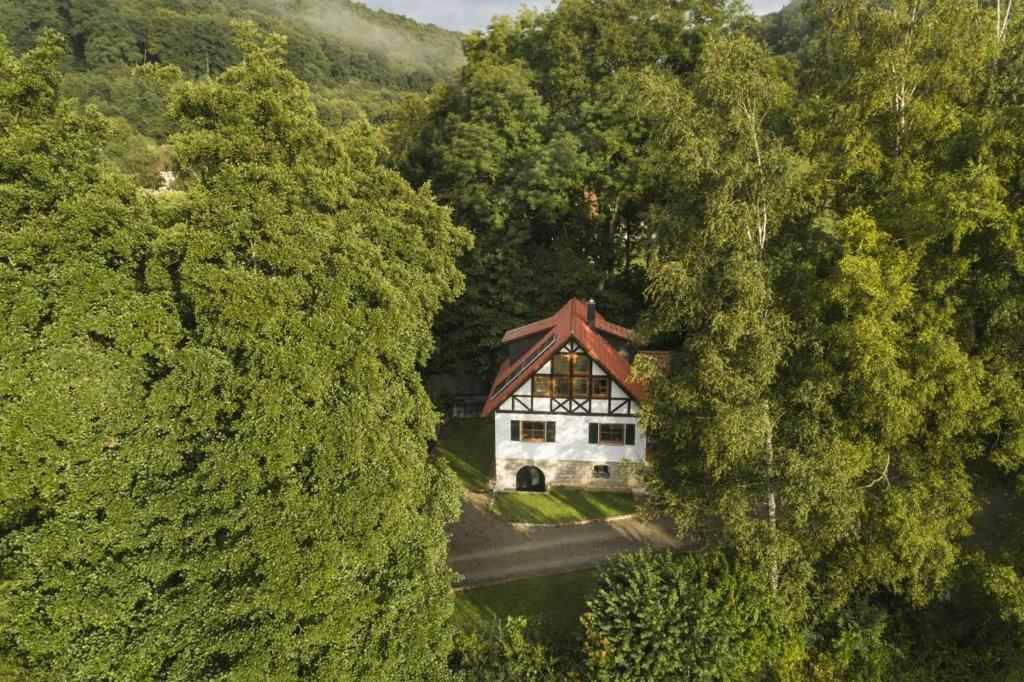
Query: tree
{"type": "Point", "coordinates": [535, 147]}
{"type": "Point", "coordinates": [655, 616]}
{"type": "Point", "coordinates": [822, 412]}
{"type": "Point", "coordinates": [84, 337]}
{"type": "Point", "coordinates": [713, 286]}
{"type": "Point", "coordinates": [507, 654]}
{"type": "Point", "coordinates": [232, 513]}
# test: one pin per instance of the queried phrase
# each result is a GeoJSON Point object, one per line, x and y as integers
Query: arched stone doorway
{"type": "Point", "coordinates": [530, 479]}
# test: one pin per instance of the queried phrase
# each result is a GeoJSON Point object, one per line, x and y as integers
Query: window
{"type": "Point", "coordinates": [534, 432]}
{"type": "Point", "coordinates": [611, 434]}
{"type": "Point", "coordinates": [571, 363]}
{"type": "Point", "coordinates": [581, 364]}
{"type": "Point", "coordinates": [562, 364]}
{"type": "Point", "coordinates": [599, 387]}
{"type": "Point", "coordinates": [560, 387]}
{"type": "Point", "coordinates": [580, 387]}
{"type": "Point", "coordinates": [601, 471]}
{"type": "Point", "coordinates": [541, 386]}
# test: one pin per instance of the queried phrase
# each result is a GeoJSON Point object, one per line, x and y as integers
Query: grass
{"type": "Point", "coordinates": [468, 447]}
{"type": "Point", "coordinates": [553, 604]}
{"type": "Point", "coordinates": [562, 505]}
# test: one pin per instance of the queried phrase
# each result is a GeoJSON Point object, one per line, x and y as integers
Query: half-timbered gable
{"type": "Point", "coordinates": [571, 382]}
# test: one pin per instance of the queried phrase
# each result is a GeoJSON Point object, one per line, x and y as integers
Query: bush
{"type": "Point", "coordinates": [657, 616]}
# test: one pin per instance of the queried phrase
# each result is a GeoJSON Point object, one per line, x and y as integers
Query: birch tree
{"type": "Point", "coordinates": [712, 284]}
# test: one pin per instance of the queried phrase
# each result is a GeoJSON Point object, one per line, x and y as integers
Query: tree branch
{"type": "Point", "coordinates": [884, 476]}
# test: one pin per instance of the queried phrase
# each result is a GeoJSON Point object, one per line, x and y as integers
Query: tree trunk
{"type": "Point", "coordinates": [773, 559]}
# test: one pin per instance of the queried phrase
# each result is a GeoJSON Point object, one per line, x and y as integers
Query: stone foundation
{"type": "Point", "coordinates": [577, 474]}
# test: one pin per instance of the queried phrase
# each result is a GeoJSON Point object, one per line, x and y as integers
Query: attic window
{"type": "Point", "coordinates": [599, 387]}
{"type": "Point", "coordinates": [561, 364]}
{"type": "Point", "coordinates": [581, 364]}
{"type": "Point", "coordinates": [565, 364]}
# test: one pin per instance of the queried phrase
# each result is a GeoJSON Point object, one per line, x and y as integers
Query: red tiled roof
{"type": "Point", "coordinates": [568, 323]}
{"type": "Point", "coordinates": [540, 326]}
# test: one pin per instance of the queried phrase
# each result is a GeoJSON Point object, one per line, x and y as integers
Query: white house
{"type": "Point", "coordinates": [565, 410]}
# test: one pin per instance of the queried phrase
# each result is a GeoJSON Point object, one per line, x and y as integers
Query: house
{"type": "Point", "coordinates": [565, 410]}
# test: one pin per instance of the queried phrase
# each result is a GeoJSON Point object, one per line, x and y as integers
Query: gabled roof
{"type": "Point", "coordinates": [540, 326]}
{"type": "Point", "coordinates": [570, 322]}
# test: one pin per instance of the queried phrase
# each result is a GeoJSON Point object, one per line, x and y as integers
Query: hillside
{"type": "Point", "coordinates": [354, 58]}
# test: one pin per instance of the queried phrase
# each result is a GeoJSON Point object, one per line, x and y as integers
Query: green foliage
{"type": "Point", "coordinates": [360, 59]}
{"type": "Point", "coordinates": [190, 489]}
{"type": "Point", "coordinates": [656, 616]}
{"type": "Point", "coordinates": [84, 339]}
{"type": "Point", "coordinates": [506, 653]}
{"type": "Point", "coordinates": [137, 155]}
{"type": "Point", "coordinates": [539, 148]}
{"type": "Point", "coordinates": [838, 269]}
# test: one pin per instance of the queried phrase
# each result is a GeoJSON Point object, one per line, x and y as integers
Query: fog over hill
{"type": "Point", "coordinates": [465, 15]}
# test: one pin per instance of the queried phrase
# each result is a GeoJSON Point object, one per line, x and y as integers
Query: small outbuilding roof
{"type": "Point", "coordinates": [570, 322]}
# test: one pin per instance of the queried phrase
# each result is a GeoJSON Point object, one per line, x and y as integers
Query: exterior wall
{"type": "Point", "coordinates": [568, 473]}
{"type": "Point", "coordinates": [571, 458]}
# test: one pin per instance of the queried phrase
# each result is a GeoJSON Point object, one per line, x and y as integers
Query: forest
{"type": "Point", "coordinates": [356, 61]}
{"type": "Point", "coordinates": [214, 436]}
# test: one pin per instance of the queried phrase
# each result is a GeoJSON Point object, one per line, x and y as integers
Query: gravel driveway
{"type": "Point", "coordinates": [484, 549]}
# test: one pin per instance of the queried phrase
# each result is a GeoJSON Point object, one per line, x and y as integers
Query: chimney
{"type": "Point", "coordinates": [591, 313]}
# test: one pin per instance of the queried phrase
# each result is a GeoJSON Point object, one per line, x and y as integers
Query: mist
{"type": "Point", "coordinates": [406, 42]}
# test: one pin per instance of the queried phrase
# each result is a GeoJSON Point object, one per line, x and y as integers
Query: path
{"type": "Point", "coordinates": [484, 549]}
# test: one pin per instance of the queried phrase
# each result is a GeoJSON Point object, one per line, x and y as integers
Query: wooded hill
{"type": "Point", "coordinates": [354, 58]}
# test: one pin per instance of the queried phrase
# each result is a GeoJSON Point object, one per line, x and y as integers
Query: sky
{"type": "Point", "coordinates": [463, 15]}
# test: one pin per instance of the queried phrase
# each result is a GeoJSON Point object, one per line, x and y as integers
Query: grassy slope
{"type": "Point", "coordinates": [553, 604]}
{"type": "Point", "coordinates": [468, 447]}
{"type": "Point", "coordinates": [562, 505]}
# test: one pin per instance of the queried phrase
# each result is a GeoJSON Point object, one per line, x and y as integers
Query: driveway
{"type": "Point", "coordinates": [485, 549]}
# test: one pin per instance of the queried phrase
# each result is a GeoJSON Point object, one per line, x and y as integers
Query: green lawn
{"type": "Point", "coordinates": [561, 505]}
{"type": "Point", "coordinates": [553, 604]}
{"type": "Point", "coordinates": [468, 447]}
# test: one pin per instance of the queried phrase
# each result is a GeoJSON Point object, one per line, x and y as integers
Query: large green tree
{"type": "Point", "coordinates": [718, 254]}
{"type": "Point", "coordinates": [538, 148]}
{"type": "Point", "coordinates": [83, 339]}
{"type": "Point", "coordinates": [827, 404]}
{"type": "Point", "coordinates": [218, 455]}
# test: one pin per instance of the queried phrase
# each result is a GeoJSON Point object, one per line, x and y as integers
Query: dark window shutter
{"type": "Point", "coordinates": [630, 434]}
{"type": "Point", "coordinates": [593, 433]}
{"type": "Point", "coordinates": [551, 432]}
{"type": "Point", "coordinates": [515, 429]}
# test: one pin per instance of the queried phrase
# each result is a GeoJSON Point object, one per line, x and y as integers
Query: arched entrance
{"type": "Point", "coordinates": [530, 479]}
